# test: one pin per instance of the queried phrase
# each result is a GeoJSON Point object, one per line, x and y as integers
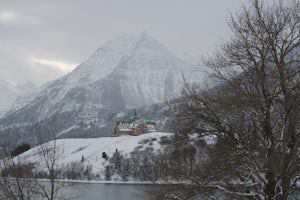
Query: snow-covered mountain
{"type": "Point", "coordinates": [9, 93]}
{"type": "Point", "coordinates": [128, 72]}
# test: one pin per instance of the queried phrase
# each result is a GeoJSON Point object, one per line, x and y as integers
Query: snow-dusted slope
{"type": "Point", "coordinates": [128, 72]}
{"type": "Point", "coordinates": [72, 150]}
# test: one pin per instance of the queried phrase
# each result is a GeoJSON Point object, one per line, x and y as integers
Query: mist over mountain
{"type": "Point", "coordinates": [9, 93]}
{"type": "Point", "coordinates": [123, 74]}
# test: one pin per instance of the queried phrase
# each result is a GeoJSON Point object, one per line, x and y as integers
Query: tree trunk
{"type": "Point", "coordinates": [271, 184]}
{"type": "Point", "coordinates": [270, 189]}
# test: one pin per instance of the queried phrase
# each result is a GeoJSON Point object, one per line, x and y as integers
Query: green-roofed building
{"type": "Point", "coordinates": [134, 126]}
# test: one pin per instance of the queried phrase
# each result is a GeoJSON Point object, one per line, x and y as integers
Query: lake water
{"type": "Point", "coordinates": [105, 191]}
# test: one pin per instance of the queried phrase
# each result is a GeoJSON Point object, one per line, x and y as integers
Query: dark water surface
{"type": "Point", "coordinates": [105, 191]}
{"type": "Point", "coordinates": [113, 191]}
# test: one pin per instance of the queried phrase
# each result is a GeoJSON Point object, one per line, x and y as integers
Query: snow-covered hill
{"type": "Point", "coordinates": [73, 150]}
{"type": "Point", "coordinates": [126, 73]}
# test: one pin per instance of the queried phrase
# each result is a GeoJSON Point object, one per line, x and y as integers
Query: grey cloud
{"type": "Point", "coordinates": [71, 30]}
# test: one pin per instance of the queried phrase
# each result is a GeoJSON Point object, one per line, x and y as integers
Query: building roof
{"type": "Point", "coordinates": [133, 122]}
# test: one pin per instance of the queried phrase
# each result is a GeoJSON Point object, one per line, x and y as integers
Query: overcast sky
{"type": "Point", "coordinates": [43, 40]}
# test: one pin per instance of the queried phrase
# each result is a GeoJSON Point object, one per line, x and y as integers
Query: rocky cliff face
{"type": "Point", "coordinates": [125, 73]}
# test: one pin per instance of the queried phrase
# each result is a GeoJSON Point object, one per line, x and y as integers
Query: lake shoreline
{"type": "Point", "coordinates": [108, 182]}
{"type": "Point", "coordinates": [127, 182]}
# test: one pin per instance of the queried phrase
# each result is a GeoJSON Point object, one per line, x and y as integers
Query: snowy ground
{"type": "Point", "coordinates": [72, 150]}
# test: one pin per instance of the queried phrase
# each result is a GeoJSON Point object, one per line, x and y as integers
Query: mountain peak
{"type": "Point", "coordinates": [145, 36]}
{"type": "Point", "coordinates": [108, 56]}
{"type": "Point", "coordinates": [148, 42]}
{"type": "Point", "coordinates": [128, 43]}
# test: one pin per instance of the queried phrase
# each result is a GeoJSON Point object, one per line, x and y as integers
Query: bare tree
{"type": "Point", "coordinates": [48, 155]}
{"type": "Point", "coordinates": [255, 109]}
{"type": "Point", "coordinates": [19, 179]}
{"type": "Point", "coordinates": [16, 178]}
